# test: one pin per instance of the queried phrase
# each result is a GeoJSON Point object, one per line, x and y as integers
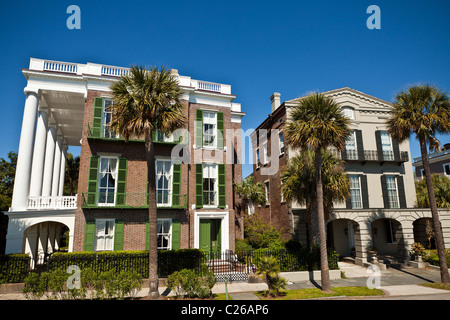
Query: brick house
{"type": "Point", "coordinates": [66, 105]}
{"type": "Point", "coordinates": [381, 210]}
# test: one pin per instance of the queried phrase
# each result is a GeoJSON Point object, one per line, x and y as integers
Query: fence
{"type": "Point", "coordinates": [233, 266]}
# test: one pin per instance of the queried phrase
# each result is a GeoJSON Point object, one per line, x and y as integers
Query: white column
{"type": "Point", "coordinates": [37, 169]}
{"type": "Point", "coordinates": [62, 171]}
{"type": "Point", "coordinates": [56, 166]}
{"type": "Point", "coordinates": [25, 153]}
{"type": "Point", "coordinates": [49, 159]}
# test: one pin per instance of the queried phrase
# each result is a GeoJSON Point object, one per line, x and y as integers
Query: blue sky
{"type": "Point", "coordinates": [258, 47]}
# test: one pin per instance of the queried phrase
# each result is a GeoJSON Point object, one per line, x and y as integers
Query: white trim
{"type": "Point", "coordinates": [224, 225]}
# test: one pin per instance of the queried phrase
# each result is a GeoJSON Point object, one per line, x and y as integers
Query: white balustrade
{"type": "Point", "coordinates": [114, 71]}
{"type": "Point", "coordinates": [210, 86]}
{"type": "Point", "coordinates": [60, 66]}
{"type": "Point", "coordinates": [52, 202]}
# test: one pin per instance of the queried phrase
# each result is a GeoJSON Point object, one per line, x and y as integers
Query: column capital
{"type": "Point", "coordinates": [28, 90]}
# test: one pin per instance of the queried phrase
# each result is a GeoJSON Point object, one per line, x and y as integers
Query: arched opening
{"type": "Point", "coordinates": [424, 233]}
{"type": "Point", "coordinates": [343, 236]}
{"type": "Point", "coordinates": [387, 237]}
{"type": "Point", "coordinates": [42, 239]}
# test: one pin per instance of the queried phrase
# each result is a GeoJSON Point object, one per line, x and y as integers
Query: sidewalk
{"type": "Point", "coordinates": [394, 282]}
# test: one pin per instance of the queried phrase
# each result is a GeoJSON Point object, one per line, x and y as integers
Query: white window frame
{"type": "Point", "coordinates": [168, 234]}
{"type": "Point", "coordinates": [360, 205]}
{"type": "Point", "coordinates": [215, 186]}
{"type": "Point", "coordinates": [110, 236]}
{"type": "Point", "coordinates": [281, 143]}
{"type": "Point", "coordinates": [349, 112]}
{"type": "Point", "coordinates": [165, 138]}
{"type": "Point", "coordinates": [99, 188]}
{"type": "Point", "coordinates": [267, 191]}
{"type": "Point", "coordinates": [351, 146]}
{"type": "Point", "coordinates": [443, 167]}
{"type": "Point", "coordinates": [106, 132]}
{"type": "Point", "coordinates": [387, 149]}
{"type": "Point", "coordinates": [265, 153]}
{"type": "Point", "coordinates": [397, 204]}
{"type": "Point", "coordinates": [170, 182]}
{"type": "Point", "coordinates": [210, 118]}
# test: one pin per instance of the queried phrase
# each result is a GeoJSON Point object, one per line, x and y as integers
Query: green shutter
{"type": "Point", "coordinates": [147, 232]}
{"type": "Point", "coordinates": [92, 181]}
{"type": "Point", "coordinates": [220, 130]}
{"type": "Point", "coordinates": [222, 188]}
{"type": "Point", "coordinates": [176, 185]}
{"type": "Point", "coordinates": [121, 182]}
{"type": "Point", "coordinates": [384, 192]}
{"type": "Point", "coordinates": [198, 185]}
{"type": "Point", "coordinates": [97, 119]}
{"type": "Point", "coordinates": [89, 236]}
{"type": "Point", "coordinates": [118, 235]}
{"type": "Point", "coordinates": [401, 192]}
{"type": "Point", "coordinates": [176, 234]}
{"type": "Point", "coordinates": [199, 129]}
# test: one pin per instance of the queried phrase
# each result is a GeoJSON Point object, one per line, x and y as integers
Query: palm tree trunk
{"type": "Point", "coordinates": [434, 214]}
{"type": "Point", "coordinates": [153, 243]}
{"type": "Point", "coordinates": [324, 272]}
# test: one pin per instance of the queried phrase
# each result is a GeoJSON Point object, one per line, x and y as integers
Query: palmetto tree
{"type": "Point", "coordinates": [299, 184]}
{"type": "Point", "coordinates": [424, 110]}
{"type": "Point", "coordinates": [317, 123]}
{"type": "Point", "coordinates": [250, 193]}
{"type": "Point", "coordinates": [144, 101]}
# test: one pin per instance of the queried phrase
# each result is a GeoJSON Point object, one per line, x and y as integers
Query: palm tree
{"type": "Point", "coordinates": [299, 184]}
{"type": "Point", "coordinates": [424, 110]}
{"type": "Point", "coordinates": [317, 123]}
{"type": "Point", "coordinates": [144, 101]}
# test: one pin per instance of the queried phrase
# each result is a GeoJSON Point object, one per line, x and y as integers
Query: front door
{"type": "Point", "coordinates": [211, 236]}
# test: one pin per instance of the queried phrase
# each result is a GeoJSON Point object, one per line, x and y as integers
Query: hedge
{"type": "Point", "coordinates": [432, 258]}
{"type": "Point", "coordinates": [169, 261]}
{"type": "Point", "coordinates": [14, 267]}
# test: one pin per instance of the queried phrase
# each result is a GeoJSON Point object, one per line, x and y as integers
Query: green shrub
{"type": "Point", "coordinates": [14, 268]}
{"type": "Point", "coordinates": [189, 283]}
{"type": "Point", "coordinates": [432, 257]}
{"type": "Point", "coordinates": [35, 286]}
{"type": "Point", "coordinates": [269, 269]}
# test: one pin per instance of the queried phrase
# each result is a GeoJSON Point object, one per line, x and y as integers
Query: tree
{"type": "Point", "coordinates": [71, 175]}
{"type": "Point", "coordinates": [299, 184]}
{"type": "Point", "coordinates": [441, 185]}
{"type": "Point", "coordinates": [144, 101]}
{"type": "Point", "coordinates": [7, 175]}
{"type": "Point", "coordinates": [250, 193]}
{"type": "Point", "coordinates": [317, 122]}
{"type": "Point", "coordinates": [424, 110]}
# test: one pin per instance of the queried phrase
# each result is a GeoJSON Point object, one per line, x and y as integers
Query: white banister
{"type": "Point", "coordinates": [114, 71]}
{"type": "Point", "coordinates": [52, 202]}
{"type": "Point", "coordinates": [209, 86]}
{"type": "Point", "coordinates": [60, 66]}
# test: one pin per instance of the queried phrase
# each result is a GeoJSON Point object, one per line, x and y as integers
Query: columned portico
{"type": "Point", "coordinates": [25, 154]}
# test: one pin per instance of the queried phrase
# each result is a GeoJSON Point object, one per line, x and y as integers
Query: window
{"type": "Point", "coordinates": [351, 146]}
{"type": "Point", "coordinates": [210, 196]}
{"type": "Point", "coordinates": [104, 234]}
{"type": "Point", "coordinates": [355, 192]}
{"type": "Point", "coordinates": [348, 112]}
{"type": "Point", "coordinates": [164, 231]}
{"type": "Point", "coordinates": [258, 160]}
{"type": "Point", "coordinates": [447, 169]}
{"type": "Point", "coordinates": [391, 186]}
{"type": "Point", "coordinates": [265, 156]}
{"type": "Point", "coordinates": [161, 137]}
{"type": "Point", "coordinates": [107, 180]}
{"type": "Point", "coordinates": [281, 191]}
{"type": "Point", "coordinates": [267, 190]}
{"type": "Point", "coordinates": [209, 129]}
{"type": "Point", "coordinates": [163, 182]}
{"type": "Point", "coordinates": [107, 114]}
{"type": "Point", "coordinates": [281, 137]}
{"type": "Point", "coordinates": [386, 146]}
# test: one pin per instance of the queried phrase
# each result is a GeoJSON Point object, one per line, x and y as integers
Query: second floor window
{"type": "Point", "coordinates": [106, 131]}
{"type": "Point", "coordinates": [209, 129]}
{"type": "Point", "coordinates": [210, 187]}
{"type": "Point", "coordinates": [355, 192]}
{"type": "Point", "coordinates": [163, 182]}
{"type": "Point", "coordinates": [386, 146]}
{"type": "Point", "coordinates": [107, 178]}
{"type": "Point", "coordinates": [281, 137]}
{"type": "Point", "coordinates": [351, 146]}
{"type": "Point", "coordinates": [391, 187]}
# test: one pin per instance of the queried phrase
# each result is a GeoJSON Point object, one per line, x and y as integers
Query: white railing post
{"type": "Point", "coordinates": [52, 202]}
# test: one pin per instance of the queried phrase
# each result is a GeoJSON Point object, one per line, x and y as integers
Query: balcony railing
{"type": "Point", "coordinates": [371, 155]}
{"type": "Point", "coordinates": [52, 202]}
{"type": "Point", "coordinates": [209, 86]}
{"type": "Point", "coordinates": [133, 201]}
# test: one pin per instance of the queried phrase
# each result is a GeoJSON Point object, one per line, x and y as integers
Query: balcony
{"type": "Point", "coordinates": [371, 155]}
{"type": "Point", "coordinates": [131, 201]}
{"type": "Point", "coordinates": [52, 203]}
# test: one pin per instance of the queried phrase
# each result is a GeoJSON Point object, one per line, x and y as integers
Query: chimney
{"type": "Point", "coordinates": [275, 101]}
